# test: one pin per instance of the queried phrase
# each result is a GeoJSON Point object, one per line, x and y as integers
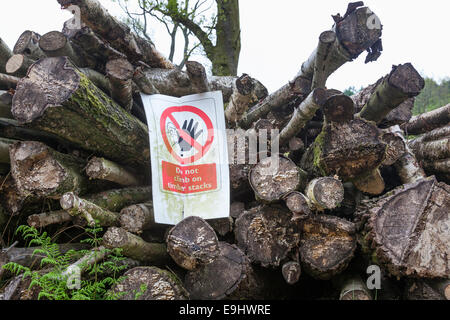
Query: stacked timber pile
{"type": "Point", "coordinates": [350, 190]}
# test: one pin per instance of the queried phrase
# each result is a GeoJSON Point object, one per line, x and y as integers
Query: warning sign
{"type": "Point", "coordinates": [189, 157]}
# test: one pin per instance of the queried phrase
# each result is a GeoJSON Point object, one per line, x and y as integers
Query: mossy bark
{"type": "Point", "coordinates": [5, 54]}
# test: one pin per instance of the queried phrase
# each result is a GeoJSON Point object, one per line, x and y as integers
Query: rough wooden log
{"type": "Point", "coordinates": [436, 134]}
{"type": "Point", "coordinates": [407, 229]}
{"type": "Point", "coordinates": [396, 147]}
{"type": "Point", "coordinates": [135, 247]}
{"type": "Point", "coordinates": [353, 36]}
{"type": "Point", "coordinates": [112, 200]}
{"type": "Point", "coordinates": [56, 44]}
{"type": "Point", "coordinates": [28, 45]}
{"type": "Point", "coordinates": [18, 65]}
{"type": "Point", "coordinates": [303, 114]}
{"type": "Point", "coordinates": [55, 97]}
{"type": "Point", "coordinates": [5, 104]}
{"type": "Point", "coordinates": [97, 78]}
{"type": "Point", "coordinates": [118, 34]}
{"type": "Point", "coordinates": [197, 73]}
{"type": "Point", "coordinates": [120, 73]}
{"type": "Point", "coordinates": [419, 289]}
{"type": "Point", "coordinates": [241, 99]}
{"type": "Point", "coordinates": [230, 276]}
{"type": "Point", "coordinates": [100, 168]}
{"type": "Point", "coordinates": [291, 272]}
{"type": "Point", "coordinates": [354, 288]}
{"type": "Point", "coordinates": [325, 193]}
{"type": "Point", "coordinates": [428, 121]}
{"type": "Point", "coordinates": [297, 203]}
{"type": "Point", "coordinates": [371, 183]}
{"type": "Point", "coordinates": [41, 171]}
{"type": "Point", "coordinates": [407, 166]}
{"type": "Point", "coordinates": [192, 243]}
{"type": "Point", "coordinates": [5, 54]}
{"type": "Point", "coordinates": [402, 83]}
{"type": "Point", "coordinates": [441, 168]}
{"type": "Point", "coordinates": [137, 218]}
{"type": "Point", "coordinates": [4, 149]}
{"type": "Point", "coordinates": [327, 245]}
{"type": "Point", "coordinates": [149, 283]}
{"type": "Point", "coordinates": [267, 235]}
{"type": "Point", "coordinates": [8, 82]}
{"type": "Point", "coordinates": [431, 150]}
{"type": "Point", "coordinates": [236, 209]}
{"type": "Point", "coordinates": [274, 177]}
{"type": "Point", "coordinates": [93, 213]}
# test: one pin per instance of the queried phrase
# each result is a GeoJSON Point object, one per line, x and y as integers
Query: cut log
{"type": "Point", "coordinates": [428, 121]}
{"type": "Point", "coordinates": [118, 34]}
{"type": "Point", "coordinates": [402, 83]}
{"type": "Point", "coordinates": [100, 168]}
{"type": "Point", "coordinates": [28, 45]}
{"type": "Point", "coordinates": [120, 73]}
{"type": "Point", "coordinates": [297, 203]}
{"type": "Point", "coordinates": [93, 214]}
{"type": "Point", "coordinates": [303, 114]}
{"type": "Point", "coordinates": [441, 168]}
{"type": "Point", "coordinates": [43, 172]}
{"type": "Point", "coordinates": [354, 288]}
{"type": "Point", "coordinates": [5, 54]}
{"type": "Point", "coordinates": [56, 97]}
{"type": "Point", "coordinates": [222, 226]}
{"type": "Point", "coordinates": [338, 108]}
{"type": "Point", "coordinates": [325, 193]}
{"type": "Point", "coordinates": [18, 65]}
{"type": "Point", "coordinates": [4, 149]}
{"type": "Point", "coordinates": [8, 82]}
{"type": "Point", "coordinates": [97, 78]}
{"type": "Point", "coordinates": [396, 147]}
{"type": "Point", "coordinates": [241, 99]}
{"type": "Point", "coordinates": [291, 272]}
{"type": "Point", "coordinates": [134, 247]}
{"type": "Point", "coordinates": [56, 44]}
{"type": "Point", "coordinates": [327, 245]}
{"type": "Point", "coordinates": [431, 150]}
{"type": "Point", "coordinates": [407, 166]}
{"type": "Point", "coordinates": [436, 134]}
{"type": "Point", "coordinates": [192, 243]}
{"type": "Point", "coordinates": [274, 177]}
{"type": "Point", "coordinates": [5, 105]}
{"type": "Point", "coordinates": [372, 183]}
{"type": "Point", "coordinates": [197, 73]}
{"type": "Point", "coordinates": [230, 276]}
{"type": "Point", "coordinates": [354, 34]}
{"type": "Point", "coordinates": [137, 218]}
{"type": "Point", "coordinates": [149, 283]}
{"type": "Point", "coordinates": [236, 209]}
{"type": "Point", "coordinates": [419, 289]}
{"type": "Point", "coordinates": [267, 235]}
{"type": "Point", "coordinates": [112, 200]}
{"type": "Point", "coordinates": [407, 229]}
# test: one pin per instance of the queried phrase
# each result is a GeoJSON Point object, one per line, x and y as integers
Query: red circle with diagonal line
{"type": "Point", "coordinates": [201, 149]}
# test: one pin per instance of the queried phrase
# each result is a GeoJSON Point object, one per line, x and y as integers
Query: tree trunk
{"type": "Point", "coordinates": [325, 193]}
{"type": "Point", "coordinates": [8, 82]}
{"type": "Point", "coordinates": [5, 54]}
{"type": "Point", "coordinates": [67, 104]}
{"type": "Point", "coordinates": [138, 218]}
{"type": "Point", "coordinates": [149, 283]}
{"type": "Point", "coordinates": [120, 75]}
{"type": "Point", "coordinates": [100, 168]}
{"type": "Point", "coordinates": [230, 276]}
{"type": "Point", "coordinates": [431, 150]}
{"type": "Point", "coordinates": [406, 229]}
{"type": "Point", "coordinates": [192, 243]}
{"type": "Point", "coordinates": [28, 45]}
{"type": "Point", "coordinates": [327, 245]}
{"type": "Point", "coordinates": [428, 121]}
{"type": "Point", "coordinates": [18, 65]}
{"type": "Point", "coordinates": [267, 235]}
{"type": "Point", "coordinates": [241, 99]}
{"type": "Point", "coordinates": [5, 105]}
{"type": "Point", "coordinates": [402, 83]}
{"type": "Point", "coordinates": [118, 34]}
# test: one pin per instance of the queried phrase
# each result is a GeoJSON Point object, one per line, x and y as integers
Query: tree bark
{"type": "Point", "coordinates": [325, 193]}
{"type": "Point", "coordinates": [8, 82]}
{"type": "Point", "coordinates": [274, 177]}
{"type": "Point", "coordinates": [428, 121]}
{"type": "Point", "coordinates": [120, 75]}
{"type": "Point", "coordinates": [267, 235]}
{"type": "Point", "coordinates": [192, 243]}
{"type": "Point", "coordinates": [406, 229]}
{"type": "Point", "coordinates": [297, 203]}
{"type": "Point", "coordinates": [402, 83]}
{"type": "Point", "coordinates": [396, 147]}
{"type": "Point", "coordinates": [241, 99]}
{"type": "Point", "coordinates": [5, 54]}
{"type": "Point", "coordinates": [372, 183]}
{"type": "Point", "coordinates": [118, 34]}
{"type": "Point", "coordinates": [100, 168]}
{"type": "Point", "coordinates": [63, 98]}
{"type": "Point", "coordinates": [230, 276]}
{"type": "Point", "coordinates": [43, 172]}
{"type": "Point", "coordinates": [137, 218]}
{"type": "Point", "coordinates": [4, 149]}
{"type": "Point", "coordinates": [134, 247]}
{"type": "Point", "coordinates": [197, 73]}
{"type": "Point", "coordinates": [18, 65]}
{"type": "Point", "coordinates": [28, 45]}
{"type": "Point", "coordinates": [327, 245]}
{"type": "Point", "coordinates": [431, 150]}
{"type": "Point", "coordinates": [159, 284]}
{"type": "Point", "coordinates": [5, 105]}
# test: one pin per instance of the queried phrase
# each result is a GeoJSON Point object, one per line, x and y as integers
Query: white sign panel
{"type": "Point", "coordinates": [189, 156]}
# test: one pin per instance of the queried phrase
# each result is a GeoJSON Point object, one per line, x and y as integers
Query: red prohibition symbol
{"type": "Point", "coordinates": [201, 149]}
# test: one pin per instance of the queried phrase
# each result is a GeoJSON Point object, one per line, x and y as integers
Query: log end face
{"type": "Point", "coordinates": [53, 41]}
{"type": "Point", "coordinates": [14, 63]}
{"type": "Point", "coordinates": [406, 78]}
{"type": "Point", "coordinates": [115, 238]}
{"type": "Point", "coordinates": [328, 192]}
{"type": "Point", "coordinates": [339, 108]}
{"type": "Point", "coordinates": [95, 168]}
{"type": "Point", "coordinates": [48, 83]}
{"type": "Point", "coordinates": [291, 272]}
{"type": "Point", "coordinates": [120, 69]}
{"type": "Point", "coordinates": [132, 218]}
{"type": "Point", "coordinates": [67, 201]}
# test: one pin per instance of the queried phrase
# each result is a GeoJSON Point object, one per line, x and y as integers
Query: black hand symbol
{"type": "Point", "coordinates": [184, 145]}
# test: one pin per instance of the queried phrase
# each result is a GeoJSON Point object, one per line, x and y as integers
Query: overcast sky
{"type": "Point", "coordinates": [277, 36]}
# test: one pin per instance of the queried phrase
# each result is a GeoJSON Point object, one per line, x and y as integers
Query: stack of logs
{"type": "Point", "coordinates": [350, 190]}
